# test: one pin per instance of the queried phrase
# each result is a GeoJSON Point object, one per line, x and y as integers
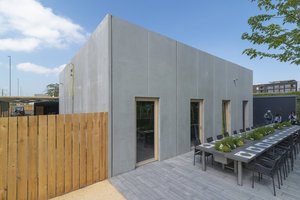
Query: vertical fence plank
{"type": "Point", "coordinates": [82, 148]}
{"type": "Point", "coordinates": [32, 157]}
{"type": "Point", "coordinates": [96, 148]}
{"type": "Point", "coordinates": [89, 174]}
{"type": "Point", "coordinates": [68, 153]}
{"type": "Point", "coordinates": [60, 165]}
{"type": "Point", "coordinates": [3, 157]}
{"type": "Point", "coordinates": [105, 144]}
{"type": "Point", "coordinates": [22, 157]}
{"type": "Point", "coordinates": [101, 164]}
{"type": "Point", "coordinates": [42, 157]}
{"type": "Point", "coordinates": [51, 156]}
{"type": "Point", "coordinates": [75, 152]}
{"type": "Point", "coordinates": [12, 159]}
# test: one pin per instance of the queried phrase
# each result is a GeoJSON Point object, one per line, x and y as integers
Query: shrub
{"type": "Point", "coordinates": [239, 141]}
{"type": "Point", "coordinates": [259, 133]}
{"type": "Point", "coordinates": [229, 143]}
{"type": "Point", "coordinates": [282, 125]}
{"type": "Point", "coordinates": [255, 135]}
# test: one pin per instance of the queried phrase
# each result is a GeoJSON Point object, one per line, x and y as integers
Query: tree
{"type": "Point", "coordinates": [278, 29]}
{"type": "Point", "coordinates": [53, 90]}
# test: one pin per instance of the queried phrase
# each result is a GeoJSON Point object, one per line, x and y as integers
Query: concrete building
{"type": "Point", "coordinates": [159, 93]}
{"type": "Point", "coordinates": [276, 87]}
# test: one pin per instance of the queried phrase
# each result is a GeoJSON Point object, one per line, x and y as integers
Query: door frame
{"type": "Point", "coordinates": [227, 109]}
{"type": "Point", "coordinates": [245, 117]}
{"type": "Point", "coordinates": [200, 117]}
{"type": "Point", "coordinates": [156, 125]}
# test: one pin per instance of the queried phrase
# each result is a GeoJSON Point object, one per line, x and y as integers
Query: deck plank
{"type": "Point", "coordinates": [178, 178]}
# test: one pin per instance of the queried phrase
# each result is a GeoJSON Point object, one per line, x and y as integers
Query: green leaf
{"type": "Point", "coordinates": [277, 29]}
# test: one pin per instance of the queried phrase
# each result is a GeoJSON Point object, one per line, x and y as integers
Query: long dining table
{"type": "Point", "coordinates": [250, 151]}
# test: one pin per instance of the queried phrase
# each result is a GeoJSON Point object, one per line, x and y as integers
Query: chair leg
{"type": "Point", "coordinates": [288, 165]}
{"type": "Point", "coordinates": [280, 168]}
{"type": "Point", "coordinates": [290, 156]}
{"type": "Point", "coordinates": [284, 169]}
{"type": "Point", "coordinates": [194, 158]}
{"type": "Point", "coordinates": [253, 179]}
{"type": "Point", "coordinates": [278, 180]}
{"type": "Point", "coordinates": [273, 186]}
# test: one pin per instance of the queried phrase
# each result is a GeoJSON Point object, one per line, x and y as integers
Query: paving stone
{"type": "Point", "coordinates": [178, 178]}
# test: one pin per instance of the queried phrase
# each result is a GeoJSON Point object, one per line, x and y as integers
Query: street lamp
{"type": "Point", "coordinates": [9, 58]}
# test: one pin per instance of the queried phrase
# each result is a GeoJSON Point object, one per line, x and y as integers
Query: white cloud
{"type": "Point", "coordinates": [37, 69]}
{"type": "Point", "coordinates": [27, 24]}
{"type": "Point", "coordinates": [26, 44]}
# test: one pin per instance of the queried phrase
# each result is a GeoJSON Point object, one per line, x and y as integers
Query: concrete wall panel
{"type": "Point", "coordinates": [162, 84]}
{"type": "Point", "coordinates": [187, 89]}
{"type": "Point", "coordinates": [90, 76]}
{"type": "Point", "coordinates": [130, 77]}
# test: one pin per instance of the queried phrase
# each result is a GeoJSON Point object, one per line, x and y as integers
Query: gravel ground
{"type": "Point", "coordinates": [98, 191]}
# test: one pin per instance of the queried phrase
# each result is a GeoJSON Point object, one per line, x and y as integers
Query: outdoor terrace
{"type": "Point", "coordinates": [178, 178]}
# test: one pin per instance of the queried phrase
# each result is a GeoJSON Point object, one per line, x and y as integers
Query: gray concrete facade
{"type": "Point", "coordinates": [84, 82]}
{"type": "Point", "coordinates": [122, 61]}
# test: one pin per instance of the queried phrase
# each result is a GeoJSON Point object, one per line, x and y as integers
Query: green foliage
{"type": "Point", "coordinates": [277, 126]}
{"type": "Point", "coordinates": [277, 28]}
{"type": "Point", "coordinates": [52, 90]}
{"type": "Point", "coordinates": [282, 125]}
{"type": "Point", "coordinates": [255, 135]}
{"type": "Point", "coordinates": [259, 133]}
{"type": "Point", "coordinates": [229, 143]}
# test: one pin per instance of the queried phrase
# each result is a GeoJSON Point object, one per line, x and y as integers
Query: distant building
{"type": "Point", "coordinates": [276, 87]}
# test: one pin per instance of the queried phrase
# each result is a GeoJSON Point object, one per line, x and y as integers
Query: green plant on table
{"type": "Point", "coordinates": [255, 135]}
{"type": "Point", "coordinates": [282, 125]}
{"type": "Point", "coordinates": [229, 143]}
{"type": "Point", "coordinates": [259, 133]}
{"type": "Point", "coordinates": [239, 141]}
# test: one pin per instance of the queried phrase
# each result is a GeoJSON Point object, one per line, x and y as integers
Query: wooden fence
{"type": "Point", "coordinates": [46, 156]}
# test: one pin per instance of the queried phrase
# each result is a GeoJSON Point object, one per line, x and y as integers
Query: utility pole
{"type": "Point", "coordinates": [9, 59]}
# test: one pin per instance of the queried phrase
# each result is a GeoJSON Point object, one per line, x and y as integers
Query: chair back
{"type": "Point", "coordinates": [196, 132]}
{"type": "Point", "coordinates": [219, 137]}
{"type": "Point", "coordinates": [276, 164]}
{"type": "Point", "coordinates": [226, 134]}
{"type": "Point", "coordinates": [248, 129]}
{"type": "Point", "coordinates": [197, 142]}
{"type": "Point", "coordinates": [234, 132]}
{"type": "Point", "coordinates": [209, 139]}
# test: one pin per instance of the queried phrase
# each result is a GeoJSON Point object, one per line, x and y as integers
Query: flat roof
{"type": "Point", "coordinates": [27, 99]}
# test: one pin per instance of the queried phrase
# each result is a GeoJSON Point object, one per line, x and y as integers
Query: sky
{"type": "Point", "coordinates": [41, 37]}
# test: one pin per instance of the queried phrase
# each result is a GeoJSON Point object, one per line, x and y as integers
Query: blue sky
{"type": "Point", "coordinates": [42, 36]}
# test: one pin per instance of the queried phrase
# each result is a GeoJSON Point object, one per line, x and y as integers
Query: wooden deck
{"type": "Point", "coordinates": [178, 178]}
